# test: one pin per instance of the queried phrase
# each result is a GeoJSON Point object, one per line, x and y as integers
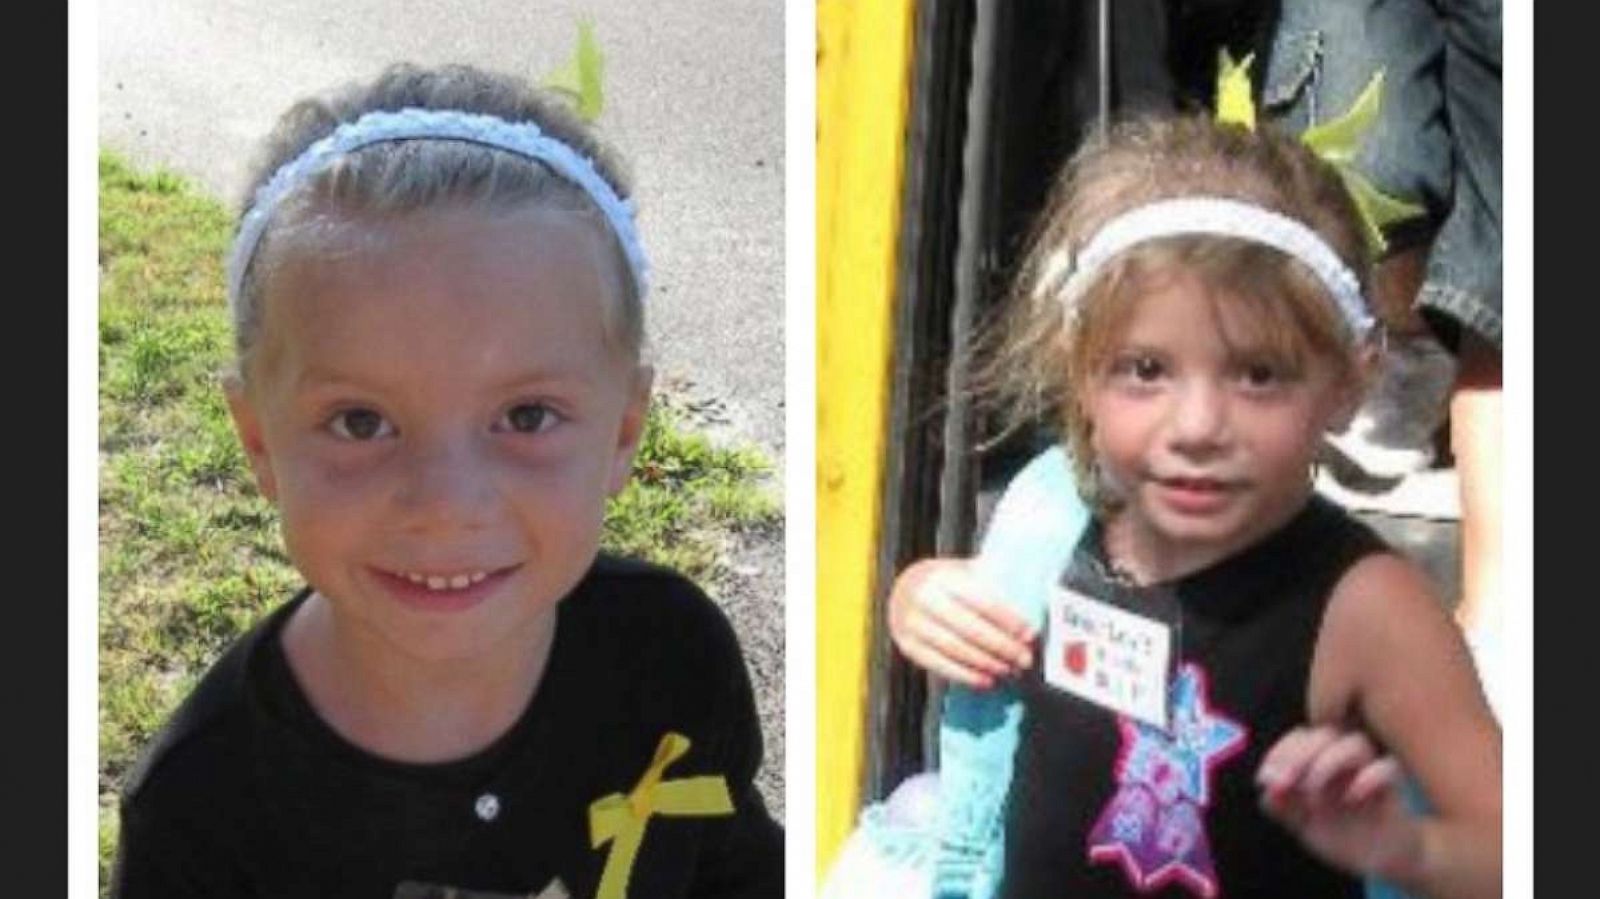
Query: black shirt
{"type": "Point", "coordinates": [1100, 801]}
{"type": "Point", "coordinates": [247, 792]}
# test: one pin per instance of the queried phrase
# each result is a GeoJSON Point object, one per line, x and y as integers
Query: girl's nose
{"type": "Point", "coordinates": [444, 486]}
{"type": "Point", "coordinates": [1199, 420]}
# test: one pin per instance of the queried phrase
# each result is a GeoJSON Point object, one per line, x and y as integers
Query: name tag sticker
{"type": "Point", "coordinates": [1108, 656]}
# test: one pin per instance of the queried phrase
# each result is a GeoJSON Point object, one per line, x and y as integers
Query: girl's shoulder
{"type": "Point", "coordinates": [1383, 601]}
{"type": "Point", "coordinates": [632, 597]}
{"type": "Point", "coordinates": [1385, 626]}
{"type": "Point", "coordinates": [637, 619]}
{"type": "Point", "coordinates": [192, 748]}
{"type": "Point", "coordinates": [642, 637]}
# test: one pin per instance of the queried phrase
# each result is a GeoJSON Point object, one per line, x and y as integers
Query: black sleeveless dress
{"type": "Point", "coordinates": [1103, 805]}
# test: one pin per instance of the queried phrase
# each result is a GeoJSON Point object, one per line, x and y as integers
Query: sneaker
{"type": "Point", "coordinates": [1391, 436]}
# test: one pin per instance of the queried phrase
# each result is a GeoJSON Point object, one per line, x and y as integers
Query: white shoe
{"type": "Point", "coordinates": [1434, 494]}
{"type": "Point", "coordinates": [1392, 434]}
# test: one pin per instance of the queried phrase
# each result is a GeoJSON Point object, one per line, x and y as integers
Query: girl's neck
{"type": "Point", "coordinates": [406, 709]}
{"type": "Point", "coordinates": [1132, 556]}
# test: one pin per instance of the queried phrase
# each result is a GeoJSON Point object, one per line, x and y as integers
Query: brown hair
{"type": "Point", "coordinates": [1033, 365]}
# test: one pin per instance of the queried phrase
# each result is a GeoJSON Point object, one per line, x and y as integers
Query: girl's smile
{"type": "Point", "coordinates": [444, 593]}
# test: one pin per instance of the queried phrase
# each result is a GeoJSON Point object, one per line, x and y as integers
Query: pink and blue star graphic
{"type": "Point", "coordinates": [1155, 824]}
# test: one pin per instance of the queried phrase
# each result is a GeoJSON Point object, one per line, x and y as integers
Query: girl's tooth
{"type": "Point", "coordinates": [441, 582]}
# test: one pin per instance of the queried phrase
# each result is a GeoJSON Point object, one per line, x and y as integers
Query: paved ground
{"type": "Point", "coordinates": [694, 99]}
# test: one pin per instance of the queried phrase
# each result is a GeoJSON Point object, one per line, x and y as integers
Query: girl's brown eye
{"type": "Point", "coordinates": [1261, 375]}
{"type": "Point", "coordinates": [359, 424]}
{"type": "Point", "coordinates": [528, 418]}
{"type": "Point", "coordinates": [1145, 368]}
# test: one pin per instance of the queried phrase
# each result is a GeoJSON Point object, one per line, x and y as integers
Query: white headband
{"type": "Point", "coordinates": [1210, 215]}
{"type": "Point", "coordinates": [523, 138]}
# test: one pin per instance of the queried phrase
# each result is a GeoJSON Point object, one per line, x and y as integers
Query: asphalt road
{"type": "Point", "coordinates": [694, 99]}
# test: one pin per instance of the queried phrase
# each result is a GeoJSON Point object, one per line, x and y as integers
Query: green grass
{"type": "Point", "coordinates": [190, 553]}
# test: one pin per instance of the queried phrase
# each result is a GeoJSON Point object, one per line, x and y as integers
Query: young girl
{"type": "Point", "coordinates": [1232, 672]}
{"type": "Point", "coordinates": [437, 288]}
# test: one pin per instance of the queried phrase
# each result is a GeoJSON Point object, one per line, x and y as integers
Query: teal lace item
{"type": "Point", "coordinates": [1031, 536]}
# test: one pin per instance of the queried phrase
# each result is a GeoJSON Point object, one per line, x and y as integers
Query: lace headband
{"type": "Point", "coordinates": [523, 138]}
{"type": "Point", "coordinates": [1210, 215]}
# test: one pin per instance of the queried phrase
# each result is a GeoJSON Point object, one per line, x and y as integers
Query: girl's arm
{"type": "Point", "coordinates": [1389, 657]}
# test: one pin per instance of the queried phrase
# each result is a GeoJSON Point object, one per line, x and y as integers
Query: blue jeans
{"type": "Point", "coordinates": [1437, 140]}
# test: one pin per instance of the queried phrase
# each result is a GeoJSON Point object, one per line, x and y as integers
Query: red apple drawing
{"type": "Point", "coordinates": [1077, 657]}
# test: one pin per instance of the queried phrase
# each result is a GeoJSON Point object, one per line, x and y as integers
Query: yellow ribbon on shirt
{"type": "Point", "coordinates": [621, 819]}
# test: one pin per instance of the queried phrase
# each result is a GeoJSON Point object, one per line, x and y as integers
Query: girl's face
{"type": "Point", "coordinates": [440, 420]}
{"type": "Point", "coordinates": [1203, 438]}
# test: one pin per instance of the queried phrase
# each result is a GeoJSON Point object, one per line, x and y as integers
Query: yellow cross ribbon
{"type": "Point", "coordinates": [621, 819]}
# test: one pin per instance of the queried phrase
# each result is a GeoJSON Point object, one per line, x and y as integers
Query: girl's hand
{"type": "Point", "coordinates": [945, 621]}
{"type": "Point", "coordinates": [1341, 798]}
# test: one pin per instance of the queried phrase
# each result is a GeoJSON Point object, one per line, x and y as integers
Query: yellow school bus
{"type": "Point", "coordinates": [939, 126]}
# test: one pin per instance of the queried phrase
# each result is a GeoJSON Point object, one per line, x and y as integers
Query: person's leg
{"type": "Point", "coordinates": [1462, 294]}
{"type": "Point", "coordinates": [1475, 438]}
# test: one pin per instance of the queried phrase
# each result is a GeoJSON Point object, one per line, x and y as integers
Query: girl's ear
{"type": "Point", "coordinates": [247, 422]}
{"type": "Point", "coordinates": [632, 430]}
{"type": "Point", "coordinates": [1353, 391]}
